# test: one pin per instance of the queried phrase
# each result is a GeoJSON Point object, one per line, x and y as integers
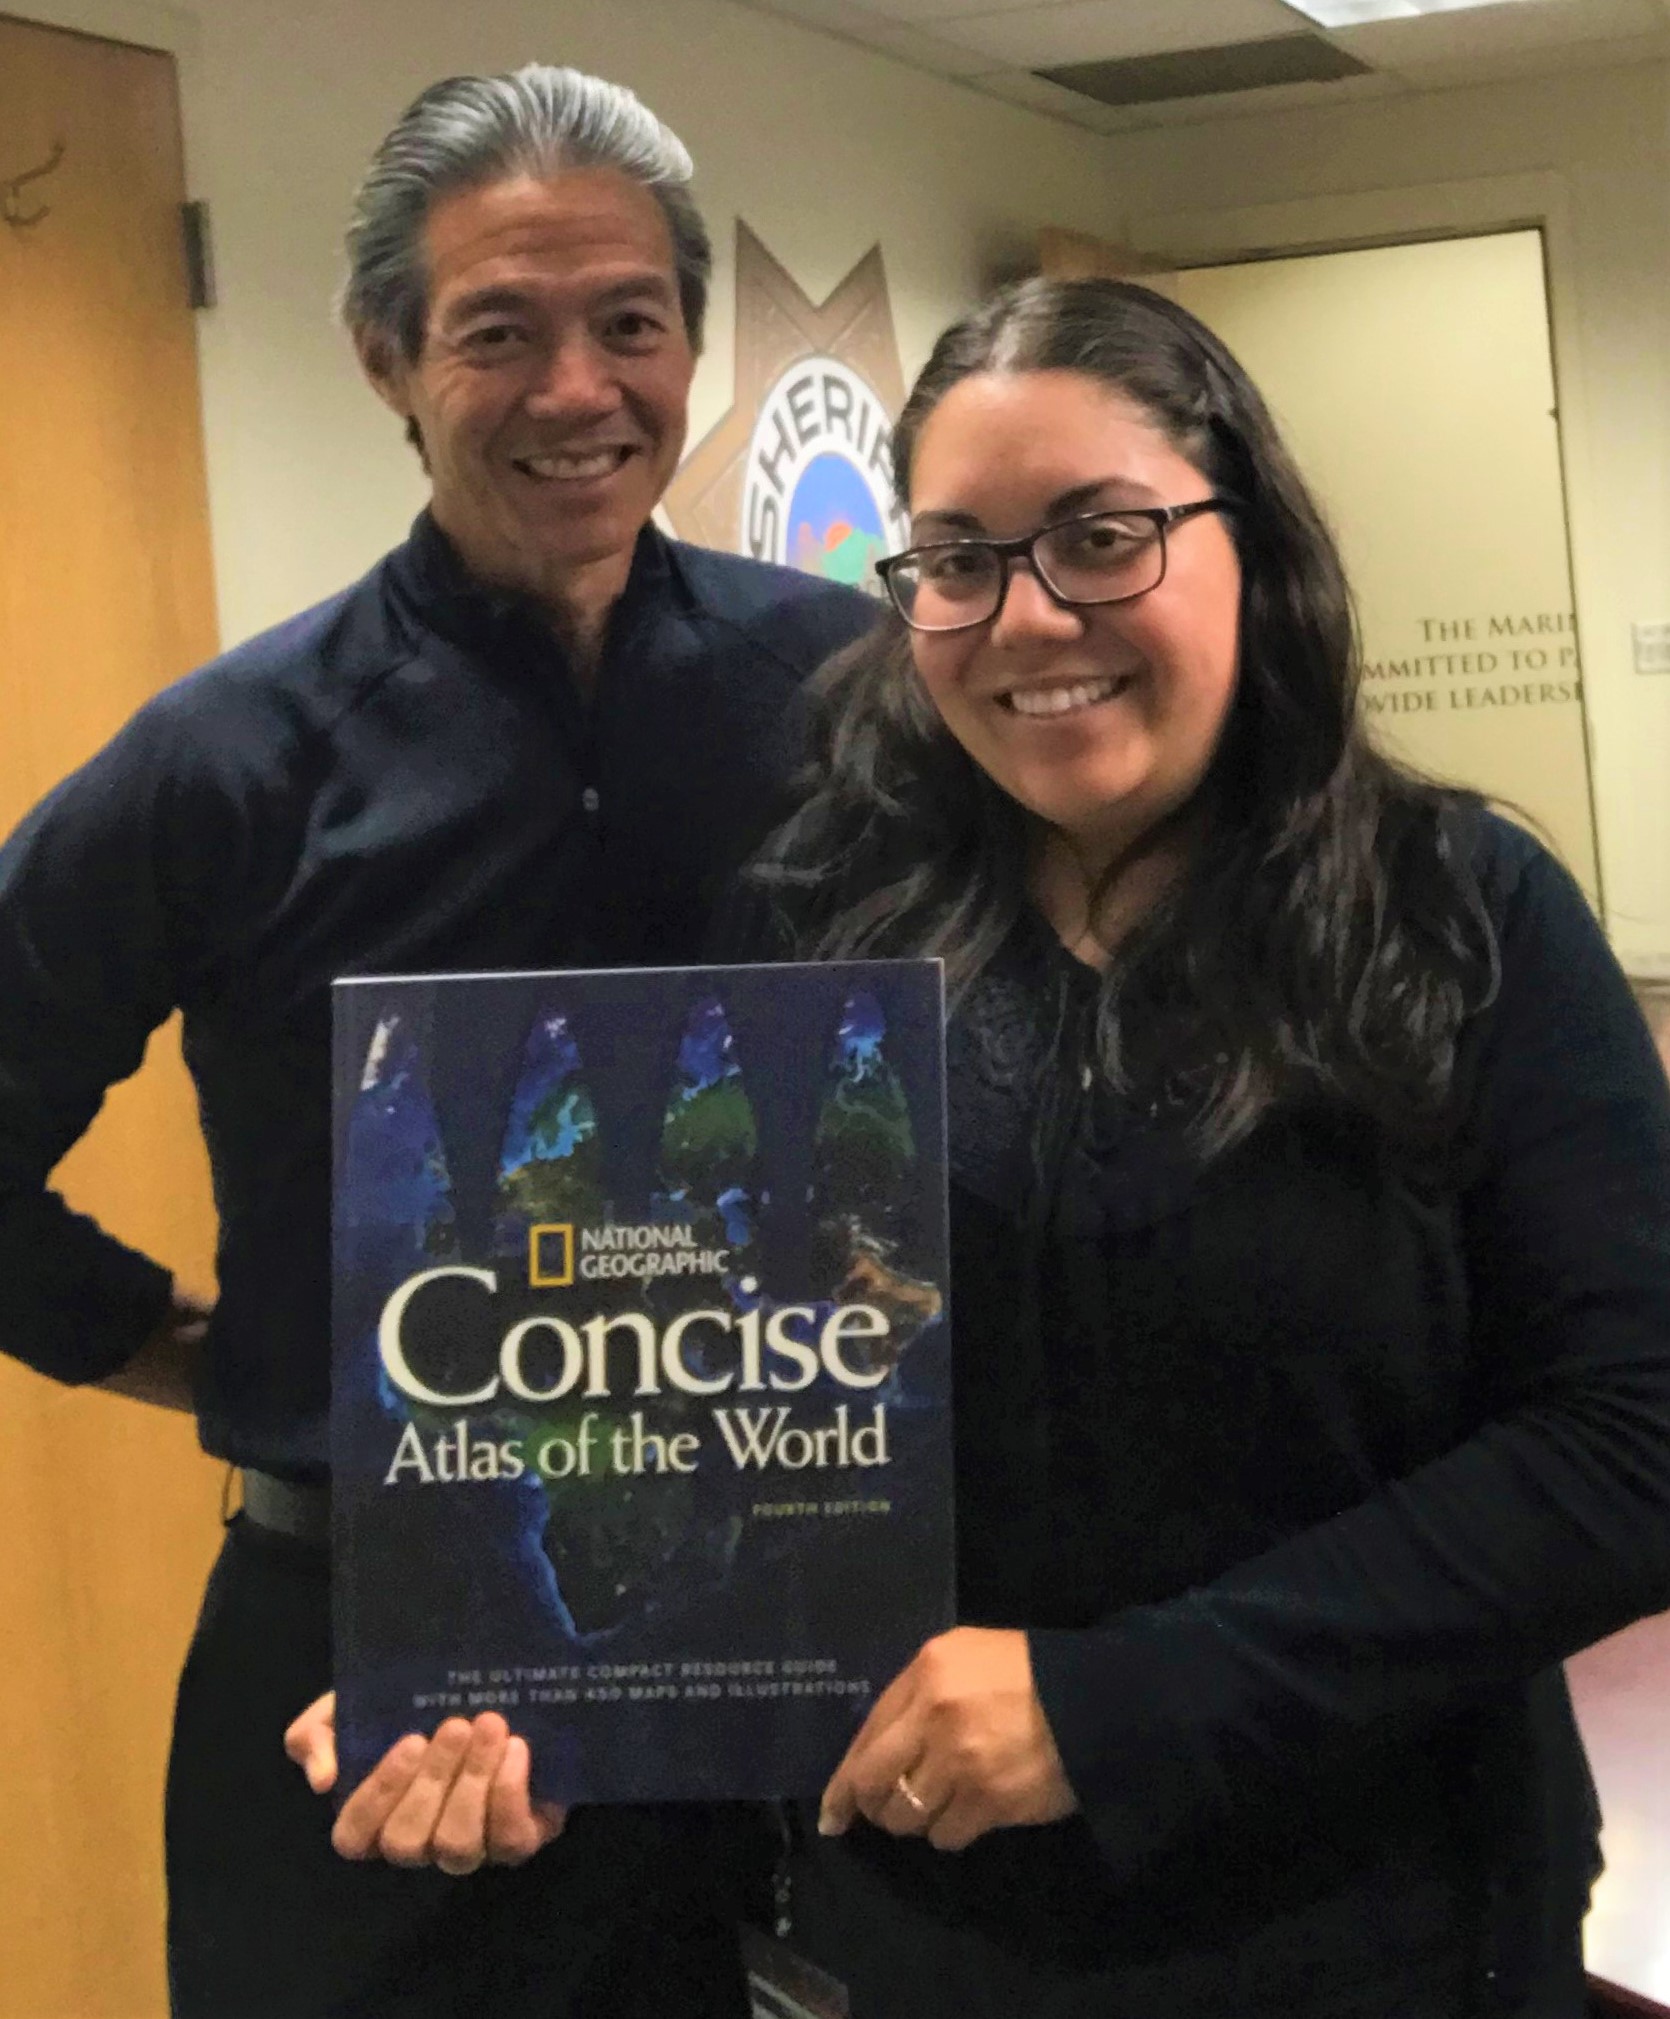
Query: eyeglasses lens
{"type": "Point", "coordinates": [1106, 559]}
{"type": "Point", "coordinates": [1102, 560]}
{"type": "Point", "coordinates": [942, 588]}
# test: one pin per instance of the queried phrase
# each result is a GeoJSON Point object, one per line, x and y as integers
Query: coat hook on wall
{"type": "Point", "coordinates": [11, 193]}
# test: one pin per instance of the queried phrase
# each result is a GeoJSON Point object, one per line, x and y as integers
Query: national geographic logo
{"type": "Point", "coordinates": [638, 1252]}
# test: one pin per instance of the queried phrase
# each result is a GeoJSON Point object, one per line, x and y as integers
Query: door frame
{"type": "Point", "coordinates": [1355, 219]}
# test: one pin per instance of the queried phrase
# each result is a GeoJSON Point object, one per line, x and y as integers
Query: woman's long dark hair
{"type": "Point", "coordinates": [1326, 938]}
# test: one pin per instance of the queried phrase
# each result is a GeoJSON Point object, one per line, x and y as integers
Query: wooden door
{"type": "Point", "coordinates": [1415, 384]}
{"type": "Point", "coordinates": [108, 1509]}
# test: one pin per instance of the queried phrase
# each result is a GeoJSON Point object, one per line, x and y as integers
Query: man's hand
{"type": "Point", "coordinates": [458, 1800]}
{"type": "Point", "coordinates": [162, 1371]}
{"type": "Point", "coordinates": [956, 1745]}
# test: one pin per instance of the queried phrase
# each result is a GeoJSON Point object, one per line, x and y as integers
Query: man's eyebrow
{"type": "Point", "coordinates": [502, 300]}
{"type": "Point", "coordinates": [488, 301]}
{"type": "Point", "coordinates": [661, 285]}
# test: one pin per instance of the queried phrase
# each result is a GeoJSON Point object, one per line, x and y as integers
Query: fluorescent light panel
{"type": "Point", "coordinates": [1354, 13]}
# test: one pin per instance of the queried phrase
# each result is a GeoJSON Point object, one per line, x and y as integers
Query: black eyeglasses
{"type": "Point", "coordinates": [1095, 558]}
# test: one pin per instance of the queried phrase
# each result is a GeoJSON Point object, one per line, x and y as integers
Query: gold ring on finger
{"type": "Point", "coordinates": [903, 1788]}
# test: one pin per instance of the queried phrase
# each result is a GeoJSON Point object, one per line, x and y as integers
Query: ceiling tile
{"type": "Point", "coordinates": [1273, 98]}
{"type": "Point", "coordinates": [917, 46]}
{"type": "Point", "coordinates": [1020, 87]}
{"type": "Point", "coordinates": [1508, 31]}
{"type": "Point", "coordinates": [1085, 31]}
{"type": "Point", "coordinates": [840, 17]}
{"type": "Point", "coordinates": [926, 12]}
{"type": "Point", "coordinates": [1209, 73]}
{"type": "Point", "coordinates": [891, 37]}
{"type": "Point", "coordinates": [1242, 104]}
{"type": "Point", "coordinates": [994, 48]}
{"type": "Point", "coordinates": [1539, 60]}
{"type": "Point", "coordinates": [1206, 20]}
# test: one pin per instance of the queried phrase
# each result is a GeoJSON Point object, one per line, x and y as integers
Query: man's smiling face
{"type": "Point", "coordinates": [552, 386]}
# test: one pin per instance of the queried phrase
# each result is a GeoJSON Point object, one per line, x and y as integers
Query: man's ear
{"type": "Point", "coordinates": [385, 370]}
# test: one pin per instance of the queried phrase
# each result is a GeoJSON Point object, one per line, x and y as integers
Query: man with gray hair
{"type": "Point", "coordinates": [533, 736]}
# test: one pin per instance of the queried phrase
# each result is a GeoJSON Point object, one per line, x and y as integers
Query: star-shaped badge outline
{"type": "Point", "coordinates": [777, 325]}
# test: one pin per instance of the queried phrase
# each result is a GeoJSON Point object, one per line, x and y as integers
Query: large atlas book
{"type": "Point", "coordinates": [641, 1409]}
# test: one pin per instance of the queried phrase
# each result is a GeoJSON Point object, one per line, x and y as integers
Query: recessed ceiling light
{"type": "Point", "coordinates": [1353, 13]}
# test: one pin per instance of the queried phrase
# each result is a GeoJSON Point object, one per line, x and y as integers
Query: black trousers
{"type": "Point", "coordinates": [630, 1914]}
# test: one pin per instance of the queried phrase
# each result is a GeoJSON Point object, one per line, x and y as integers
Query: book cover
{"type": "Point", "coordinates": [641, 1424]}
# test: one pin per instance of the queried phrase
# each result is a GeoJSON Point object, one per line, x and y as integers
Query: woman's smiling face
{"type": "Point", "coordinates": [1101, 721]}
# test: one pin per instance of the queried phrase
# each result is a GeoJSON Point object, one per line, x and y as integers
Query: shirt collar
{"type": "Point", "coordinates": [470, 612]}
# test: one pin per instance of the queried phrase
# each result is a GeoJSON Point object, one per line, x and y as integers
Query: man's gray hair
{"type": "Point", "coordinates": [468, 131]}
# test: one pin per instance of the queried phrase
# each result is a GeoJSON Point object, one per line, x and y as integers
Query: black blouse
{"type": "Point", "coordinates": [1304, 1473]}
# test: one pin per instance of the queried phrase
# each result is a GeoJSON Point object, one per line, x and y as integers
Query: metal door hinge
{"type": "Point", "coordinates": [200, 254]}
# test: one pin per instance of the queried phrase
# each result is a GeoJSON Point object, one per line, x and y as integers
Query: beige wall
{"type": "Point", "coordinates": [823, 148]}
{"type": "Point", "coordinates": [1589, 154]}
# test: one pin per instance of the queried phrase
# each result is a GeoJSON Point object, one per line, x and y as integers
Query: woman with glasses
{"type": "Point", "coordinates": [1311, 1248]}
{"type": "Point", "coordinates": [1311, 1243]}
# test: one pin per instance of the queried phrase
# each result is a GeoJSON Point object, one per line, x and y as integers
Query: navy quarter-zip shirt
{"type": "Point", "coordinates": [405, 779]}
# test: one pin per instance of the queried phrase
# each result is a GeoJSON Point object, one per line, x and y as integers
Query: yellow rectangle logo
{"type": "Point", "coordinates": [540, 1275]}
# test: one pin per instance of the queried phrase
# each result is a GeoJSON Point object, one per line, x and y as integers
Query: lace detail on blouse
{"type": "Point", "coordinates": [1031, 1129]}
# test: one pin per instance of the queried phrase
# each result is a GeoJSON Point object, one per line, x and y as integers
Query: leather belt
{"type": "Point", "coordinates": [287, 1506]}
